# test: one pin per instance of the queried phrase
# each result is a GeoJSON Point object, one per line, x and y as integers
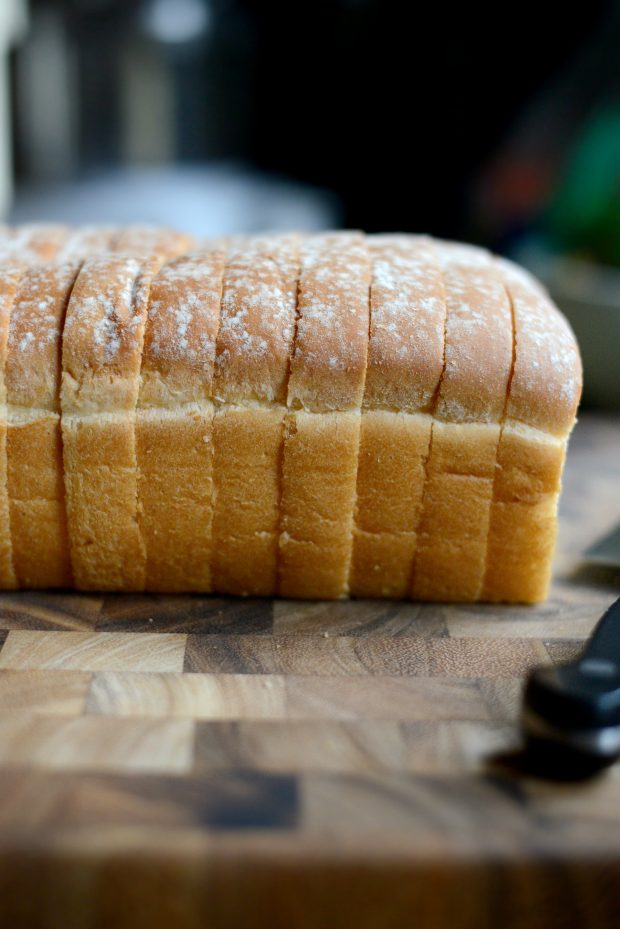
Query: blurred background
{"type": "Point", "coordinates": [500, 126]}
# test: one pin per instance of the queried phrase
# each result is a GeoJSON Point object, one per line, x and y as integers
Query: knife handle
{"type": "Point", "coordinates": [604, 643]}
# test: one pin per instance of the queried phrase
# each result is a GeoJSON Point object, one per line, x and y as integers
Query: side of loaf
{"type": "Point", "coordinates": [314, 416]}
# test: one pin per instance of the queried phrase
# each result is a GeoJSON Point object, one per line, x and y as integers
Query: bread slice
{"type": "Point", "coordinates": [101, 354]}
{"type": "Point", "coordinates": [405, 362]}
{"type": "Point", "coordinates": [174, 423]}
{"type": "Point", "coordinates": [540, 412]}
{"type": "Point", "coordinates": [252, 365]}
{"type": "Point", "coordinates": [452, 540]}
{"type": "Point", "coordinates": [9, 281]}
{"type": "Point", "coordinates": [35, 472]}
{"type": "Point", "coordinates": [322, 428]}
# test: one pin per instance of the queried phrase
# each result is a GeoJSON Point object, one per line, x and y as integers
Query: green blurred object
{"type": "Point", "coordinates": [584, 214]}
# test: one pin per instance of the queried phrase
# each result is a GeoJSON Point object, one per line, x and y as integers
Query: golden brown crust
{"type": "Point", "coordinates": [523, 523]}
{"type": "Point", "coordinates": [328, 366]}
{"type": "Point", "coordinates": [103, 335]}
{"type": "Point", "coordinates": [452, 534]}
{"type": "Point", "coordinates": [33, 365]}
{"type": "Point", "coordinates": [405, 353]}
{"type": "Point", "coordinates": [257, 322]}
{"type": "Point", "coordinates": [390, 483]}
{"type": "Point", "coordinates": [181, 331]}
{"type": "Point", "coordinates": [547, 379]}
{"type": "Point", "coordinates": [318, 498]}
{"type": "Point", "coordinates": [478, 349]}
{"type": "Point", "coordinates": [174, 425]}
{"type": "Point", "coordinates": [174, 450]}
{"type": "Point", "coordinates": [247, 446]}
{"type": "Point", "coordinates": [102, 348]}
{"type": "Point", "coordinates": [35, 473]}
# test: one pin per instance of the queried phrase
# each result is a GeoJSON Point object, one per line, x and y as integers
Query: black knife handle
{"type": "Point", "coordinates": [583, 694]}
{"type": "Point", "coordinates": [604, 643]}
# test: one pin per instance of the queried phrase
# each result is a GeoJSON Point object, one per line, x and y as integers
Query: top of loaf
{"type": "Point", "coordinates": [151, 240]}
{"type": "Point", "coordinates": [325, 322]}
{"type": "Point", "coordinates": [407, 323]}
{"type": "Point", "coordinates": [479, 339]}
{"type": "Point", "coordinates": [181, 330]}
{"type": "Point", "coordinates": [104, 334]}
{"type": "Point", "coordinates": [32, 371]}
{"type": "Point", "coordinates": [547, 376]}
{"type": "Point", "coordinates": [31, 243]}
{"type": "Point", "coordinates": [10, 276]}
{"type": "Point", "coordinates": [257, 321]}
{"type": "Point", "coordinates": [328, 366]}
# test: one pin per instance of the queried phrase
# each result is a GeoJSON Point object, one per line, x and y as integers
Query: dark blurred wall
{"type": "Point", "coordinates": [398, 106]}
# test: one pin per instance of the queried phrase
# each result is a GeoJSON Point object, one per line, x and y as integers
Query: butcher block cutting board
{"type": "Point", "coordinates": [199, 762]}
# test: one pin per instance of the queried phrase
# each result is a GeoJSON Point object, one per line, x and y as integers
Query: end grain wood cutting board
{"type": "Point", "coordinates": [191, 761]}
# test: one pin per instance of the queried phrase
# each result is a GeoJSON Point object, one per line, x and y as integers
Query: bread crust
{"type": "Point", "coordinates": [405, 354]}
{"type": "Point", "coordinates": [322, 429]}
{"type": "Point", "coordinates": [547, 380]}
{"type": "Point", "coordinates": [101, 356]}
{"type": "Point", "coordinates": [328, 367]}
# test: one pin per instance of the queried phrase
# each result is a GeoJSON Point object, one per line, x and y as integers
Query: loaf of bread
{"type": "Point", "coordinates": [307, 416]}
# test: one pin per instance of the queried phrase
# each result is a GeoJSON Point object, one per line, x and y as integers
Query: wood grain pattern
{"type": "Point", "coordinates": [189, 761]}
{"type": "Point", "coordinates": [104, 743]}
{"type": "Point", "coordinates": [44, 691]}
{"type": "Point", "coordinates": [84, 651]}
{"type": "Point", "coordinates": [354, 655]}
